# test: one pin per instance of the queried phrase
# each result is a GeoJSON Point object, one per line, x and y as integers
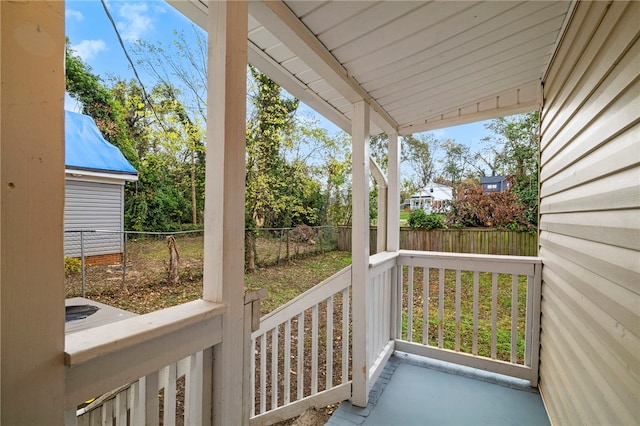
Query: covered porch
{"type": "Point", "coordinates": [369, 67]}
{"type": "Point", "coordinates": [416, 391]}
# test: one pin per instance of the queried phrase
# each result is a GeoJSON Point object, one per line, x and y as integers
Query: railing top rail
{"type": "Point", "coordinates": [521, 265]}
{"type": "Point", "coordinates": [485, 257]}
{"type": "Point", "coordinates": [316, 294]}
{"type": "Point", "coordinates": [382, 257]}
{"type": "Point", "coordinates": [86, 345]}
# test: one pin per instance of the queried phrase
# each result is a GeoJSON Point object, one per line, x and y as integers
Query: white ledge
{"type": "Point", "coordinates": [382, 257]}
{"type": "Point", "coordinates": [92, 343]}
{"type": "Point", "coordinates": [469, 256]}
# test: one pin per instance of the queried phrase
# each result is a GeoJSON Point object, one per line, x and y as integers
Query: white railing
{"type": "Point", "coordinates": [138, 366]}
{"type": "Point", "coordinates": [475, 310]}
{"type": "Point", "coordinates": [308, 334]}
{"type": "Point", "coordinates": [481, 311]}
{"type": "Point", "coordinates": [381, 297]}
{"type": "Point", "coordinates": [172, 393]}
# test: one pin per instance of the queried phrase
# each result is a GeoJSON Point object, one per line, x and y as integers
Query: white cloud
{"type": "Point", "coordinates": [135, 21]}
{"type": "Point", "coordinates": [88, 49]}
{"type": "Point", "coordinates": [439, 133]}
{"type": "Point", "coordinates": [73, 14]}
{"type": "Point", "coordinates": [71, 104]}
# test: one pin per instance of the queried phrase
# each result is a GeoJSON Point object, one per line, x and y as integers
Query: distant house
{"type": "Point", "coordinates": [494, 183]}
{"type": "Point", "coordinates": [95, 174]}
{"type": "Point", "coordinates": [431, 198]}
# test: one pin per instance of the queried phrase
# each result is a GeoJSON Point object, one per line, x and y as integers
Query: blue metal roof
{"type": "Point", "coordinates": [86, 149]}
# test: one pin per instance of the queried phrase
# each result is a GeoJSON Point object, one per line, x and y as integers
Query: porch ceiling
{"type": "Point", "coordinates": [421, 65]}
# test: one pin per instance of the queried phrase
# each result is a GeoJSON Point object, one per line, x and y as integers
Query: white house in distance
{"type": "Point", "coordinates": [95, 174]}
{"type": "Point", "coordinates": [431, 198]}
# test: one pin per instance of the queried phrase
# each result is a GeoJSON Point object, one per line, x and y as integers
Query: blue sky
{"type": "Point", "coordinates": [93, 38]}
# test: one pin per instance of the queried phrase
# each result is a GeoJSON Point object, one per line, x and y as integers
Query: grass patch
{"type": "Point", "coordinates": [465, 330]}
{"type": "Point", "coordinates": [145, 288]}
{"type": "Point", "coordinates": [288, 280]}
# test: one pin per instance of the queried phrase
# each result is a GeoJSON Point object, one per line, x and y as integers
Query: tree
{"type": "Point", "coordinates": [417, 151]}
{"type": "Point", "coordinates": [165, 137]}
{"type": "Point", "coordinates": [266, 178]}
{"type": "Point", "coordinates": [320, 157]}
{"type": "Point", "coordinates": [455, 164]}
{"type": "Point", "coordinates": [182, 65]}
{"type": "Point", "coordinates": [515, 148]}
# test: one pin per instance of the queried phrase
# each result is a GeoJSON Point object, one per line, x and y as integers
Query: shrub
{"type": "Point", "coordinates": [420, 219]}
{"type": "Point", "coordinates": [492, 209]}
{"type": "Point", "coordinates": [72, 266]}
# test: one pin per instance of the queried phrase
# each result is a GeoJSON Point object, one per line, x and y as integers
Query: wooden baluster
{"type": "Point", "coordinates": [457, 344]}
{"type": "Point", "coordinates": [329, 345]}
{"type": "Point", "coordinates": [514, 318]}
{"type": "Point", "coordinates": [275, 383]}
{"type": "Point", "coordinates": [494, 314]}
{"type": "Point", "coordinates": [441, 308]}
{"type": "Point", "coordinates": [476, 296]}
{"type": "Point", "coordinates": [287, 362]}
{"type": "Point", "coordinates": [345, 335]}
{"type": "Point", "coordinates": [314, 349]}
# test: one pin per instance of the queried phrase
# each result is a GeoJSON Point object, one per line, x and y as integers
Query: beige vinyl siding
{"type": "Point", "coordinates": [93, 206]}
{"type": "Point", "coordinates": [590, 219]}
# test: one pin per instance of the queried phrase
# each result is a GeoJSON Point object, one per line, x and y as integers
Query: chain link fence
{"type": "Point", "coordinates": [119, 260]}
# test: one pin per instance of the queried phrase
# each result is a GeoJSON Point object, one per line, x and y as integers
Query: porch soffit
{"type": "Point", "coordinates": [420, 65]}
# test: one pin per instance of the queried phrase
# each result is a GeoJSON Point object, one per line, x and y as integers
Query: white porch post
{"type": "Point", "coordinates": [381, 228]}
{"type": "Point", "coordinates": [360, 251]}
{"type": "Point", "coordinates": [224, 200]}
{"type": "Point", "coordinates": [31, 216]}
{"type": "Point", "coordinates": [393, 194]}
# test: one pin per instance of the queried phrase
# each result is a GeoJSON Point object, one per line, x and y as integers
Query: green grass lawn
{"type": "Point", "coordinates": [503, 313]}
{"type": "Point", "coordinates": [404, 217]}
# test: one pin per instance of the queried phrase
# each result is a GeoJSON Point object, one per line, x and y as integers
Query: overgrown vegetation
{"type": "Point", "coordinates": [72, 266]}
{"type": "Point", "coordinates": [477, 208]}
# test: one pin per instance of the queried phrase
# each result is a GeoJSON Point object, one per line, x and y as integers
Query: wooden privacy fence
{"type": "Point", "coordinates": [467, 240]}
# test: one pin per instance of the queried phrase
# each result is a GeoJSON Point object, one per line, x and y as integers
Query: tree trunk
{"type": "Point", "coordinates": [194, 204]}
{"type": "Point", "coordinates": [250, 251]}
{"type": "Point", "coordinates": [174, 257]}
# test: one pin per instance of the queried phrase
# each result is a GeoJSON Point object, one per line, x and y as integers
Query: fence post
{"type": "Point", "coordinates": [288, 241]}
{"type": "Point", "coordinates": [124, 261]}
{"type": "Point", "coordinates": [82, 260]}
{"type": "Point", "coordinates": [251, 323]}
{"type": "Point", "coordinates": [280, 244]}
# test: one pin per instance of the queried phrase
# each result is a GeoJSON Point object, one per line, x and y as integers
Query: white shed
{"type": "Point", "coordinates": [95, 174]}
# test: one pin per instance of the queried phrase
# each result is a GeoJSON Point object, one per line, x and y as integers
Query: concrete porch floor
{"type": "Point", "coordinates": [417, 391]}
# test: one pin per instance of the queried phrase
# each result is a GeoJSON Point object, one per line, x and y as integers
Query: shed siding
{"type": "Point", "coordinates": [91, 206]}
{"type": "Point", "coordinates": [590, 220]}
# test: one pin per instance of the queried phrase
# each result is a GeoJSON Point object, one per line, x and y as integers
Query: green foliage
{"type": "Point", "coordinates": [417, 151]}
{"type": "Point", "coordinates": [455, 164]}
{"type": "Point", "coordinates": [170, 145]}
{"type": "Point", "coordinates": [155, 202]}
{"type": "Point", "coordinates": [420, 219]}
{"type": "Point", "coordinates": [72, 266]}
{"type": "Point", "coordinates": [296, 172]}
{"type": "Point", "coordinates": [275, 190]}
{"type": "Point", "coordinates": [515, 149]}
